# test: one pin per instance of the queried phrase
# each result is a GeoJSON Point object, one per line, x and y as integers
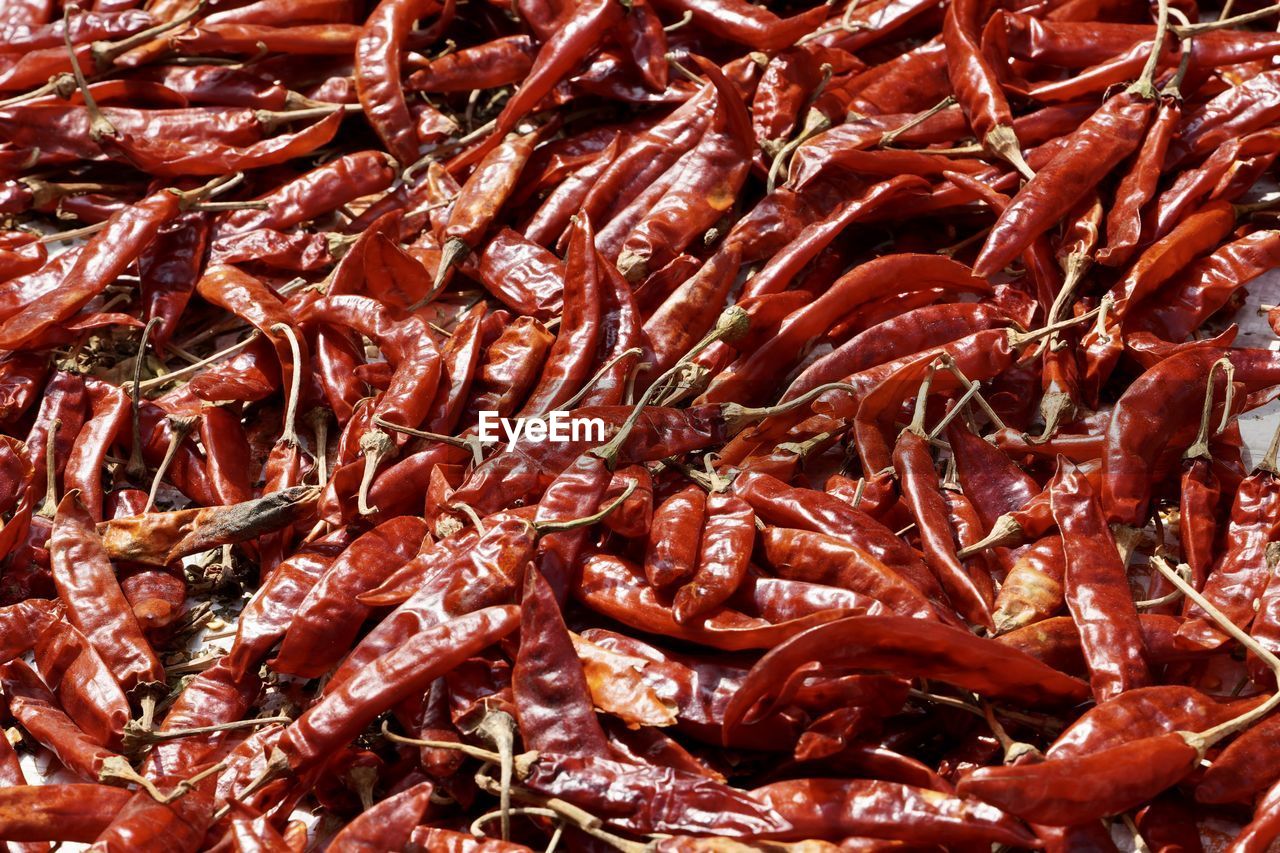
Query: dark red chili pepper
{"type": "Point", "coordinates": [87, 585]}
{"type": "Point", "coordinates": [327, 726]}
{"type": "Point", "coordinates": [1123, 776]}
{"type": "Point", "coordinates": [329, 617]}
{"type": "Point", "coordinates": [580, 31]}
{"type": "Point", "coordinates": [1096, 588]}
{"type": "Point", "coordinates": [553, 705]}
{"type": "Point", "coordinates": [1101, 143]}
{"type": "Point", "coordinates": [569, 363]}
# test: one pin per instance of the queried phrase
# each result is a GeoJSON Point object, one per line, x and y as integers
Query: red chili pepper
{"type": "Point", "coordinates": [569, 362]}
{"type": "Point", "coordinates": [1123, 776]}
{"type": "Point", "coordinates": [329, 617]}
{"type": "Point", "coordinates": [553, 705]}
{"type": "Point", "coordinates": [559, 55]}
{"type": "Point", "coordinates": [724, 551]}
{"type": "Point", "coordinates": [314, 737]}
{"type": "Point", "coordinates": [87, 585]}
{"type": "Point", "coordinates": [1101, 143]}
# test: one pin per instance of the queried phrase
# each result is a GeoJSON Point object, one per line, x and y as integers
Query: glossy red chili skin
{"type": "Point", "coordinates": [918, 481]}
{"type": "Point", "coordinates": [1101, 143]}
{"type": "Point", "coordinates": [724, 552]}
{"type": "Point", "coordinates": [1123, 776]}
{"type": "Point", "coordinates": [671, 552]}
{"type": "Point", "coordinates": [1096, 588]}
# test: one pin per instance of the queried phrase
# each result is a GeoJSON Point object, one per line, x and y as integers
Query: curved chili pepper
{"type": "Point", "coordinates": [66, 812]}
{"type": "Point", "coordinates": [315, 193]}
{"type": "Point", "coordinates": [977, 87]}
{"type": "Point", "coordinates": [87, 691]}
{"type": "Point", "coordinates": [573, 38]}
{"type": "Point", "coordinates": [36, 709]}
{"type": "Point", "coordinates": [1103, 141]}
{"type": "Point", "coordinates": [378, 79]}
{"type": "Point", "coordinates": [329, 617]}
{"type": "Point", "coordinates": [1033, 589]}
{"type": "Point", "coordinates": [830, 808]}
{"type": "Point", "coordinates": [746, 24]}
{"type": "Point", "coordinates": [1145, 712]}
{"type": "Point", "coordinates": [1138, 186]}
{"type": "Point", "coordinates": [569, 361]}
{"type": "Point", "coordinates": [553, 704]}
{"type": "Point", "coordinates": [918, 480]}
{"type": "Point", "coordinates": [325, 727]}
{"type": "Point", "coordinates": [481, 198]}
{"type": "Point", "coordinates": [712, 173]}
{"type": "Point", "coordinates": [389, 824]}
{"type": "Point", "coordinates": [1122, 777]}
{"type": "Point", "coordinates": [671, 551]}
{"type": "Point", "coordinates": [915, 645]}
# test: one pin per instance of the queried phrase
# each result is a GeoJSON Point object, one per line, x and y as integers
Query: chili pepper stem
{"type": "Point", "coordinates": [140, 734]}
{"type": "Point", "coordinates": [1173, 89]}
{"type": "Point", "coordinates": [472, 443]}
{"type": "Point", "coordinates": [587, 520]}
{"type": "Point", "coordinates": [730, 326]}
{"type": "Point", "coordinates": [969, 394]}
{"type": "Point", "coordinates": [1145, 85]}
{"type": "Point", "coordinates": [1003, 142]}
{"type": "Point", "coordinates": [194, 367]}
{"type": "Point", "coordinates": [969, 385]}
{"type": "Point", "coordinates": [99, 126]}
{"type": "Point", "coordinates": [277, 766]}
{"type": "Point", "coordinates": [1205, 739]}
{"type": "Point", "coordinates": [104, 53]}
{"type": "Point", "coordinates": [117, 770]}
{"type": "Point", "coordinates": [73, 234]}
{"type": "Point", "coordinates": [1005, 531]}
{"type": "Point", "coordinates": [814, 123]}
{"type": "Point", "coordinates": [499, 728]}
{"type": "Point", "coordinates": [1268, 461]}
{"type": "Point", "coordinates": [579, 817]}
{"type": "Point", "coordinates": [1224, 23]}
{"type": "Point", "coordinates": [634, 352]}
{"type": "Point", "coordinates": [738, 416]}
{"type": "Point", "coordinates": [271, 120]}
{"type": "Point", "coordinates": [1199, 448]}
{"type": "Point", "coordinates": [319, 420]}
{"type": "Point", "coordinates": [180, 426]}
{"type": "Point", "coordinates": [61, 85]}
{"type": "Point", "coordinates": [136, 468]}
{"type": "Point", "coordinates": [1020, 339]}
{"type": "Point", "coordinates": [50, 505]}
{"type": "Point", "coordinates": [520, 763]}
{"type": "Point", "coordinates": [922, 403]}
{"type": "Point", "coordinates": [289, 433]}
{"type": "Point", "coordinates": [452, 253]}
{"type": "Point", "coordinates": [890, 136]}
{"type": "Point", "coordinates": [376, 446]}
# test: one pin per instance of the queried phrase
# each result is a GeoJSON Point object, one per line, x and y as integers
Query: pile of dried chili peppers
{"type": "Point", "coordinates": [669, 425]}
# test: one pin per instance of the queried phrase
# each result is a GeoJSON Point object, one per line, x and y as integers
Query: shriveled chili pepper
{"type": "Point", "coordinates": [88, 586]}
{"type": "Point", "coordinates": [1122, 776]}
{"type": "Point", "coordinates": [977, 86]}
{"type": "Point", "coordinates": [569, 361]}
{"type": "Point", "coordinates": [1096, 589]}
{"type": "Point", "coordinates": [328, 619]}
{"type": "Point", "coordinates": [559, 55]}
{"type": "Point", "coordinates": [724, 549]}
{"type": "Point", "coordinates": [313, 738]}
